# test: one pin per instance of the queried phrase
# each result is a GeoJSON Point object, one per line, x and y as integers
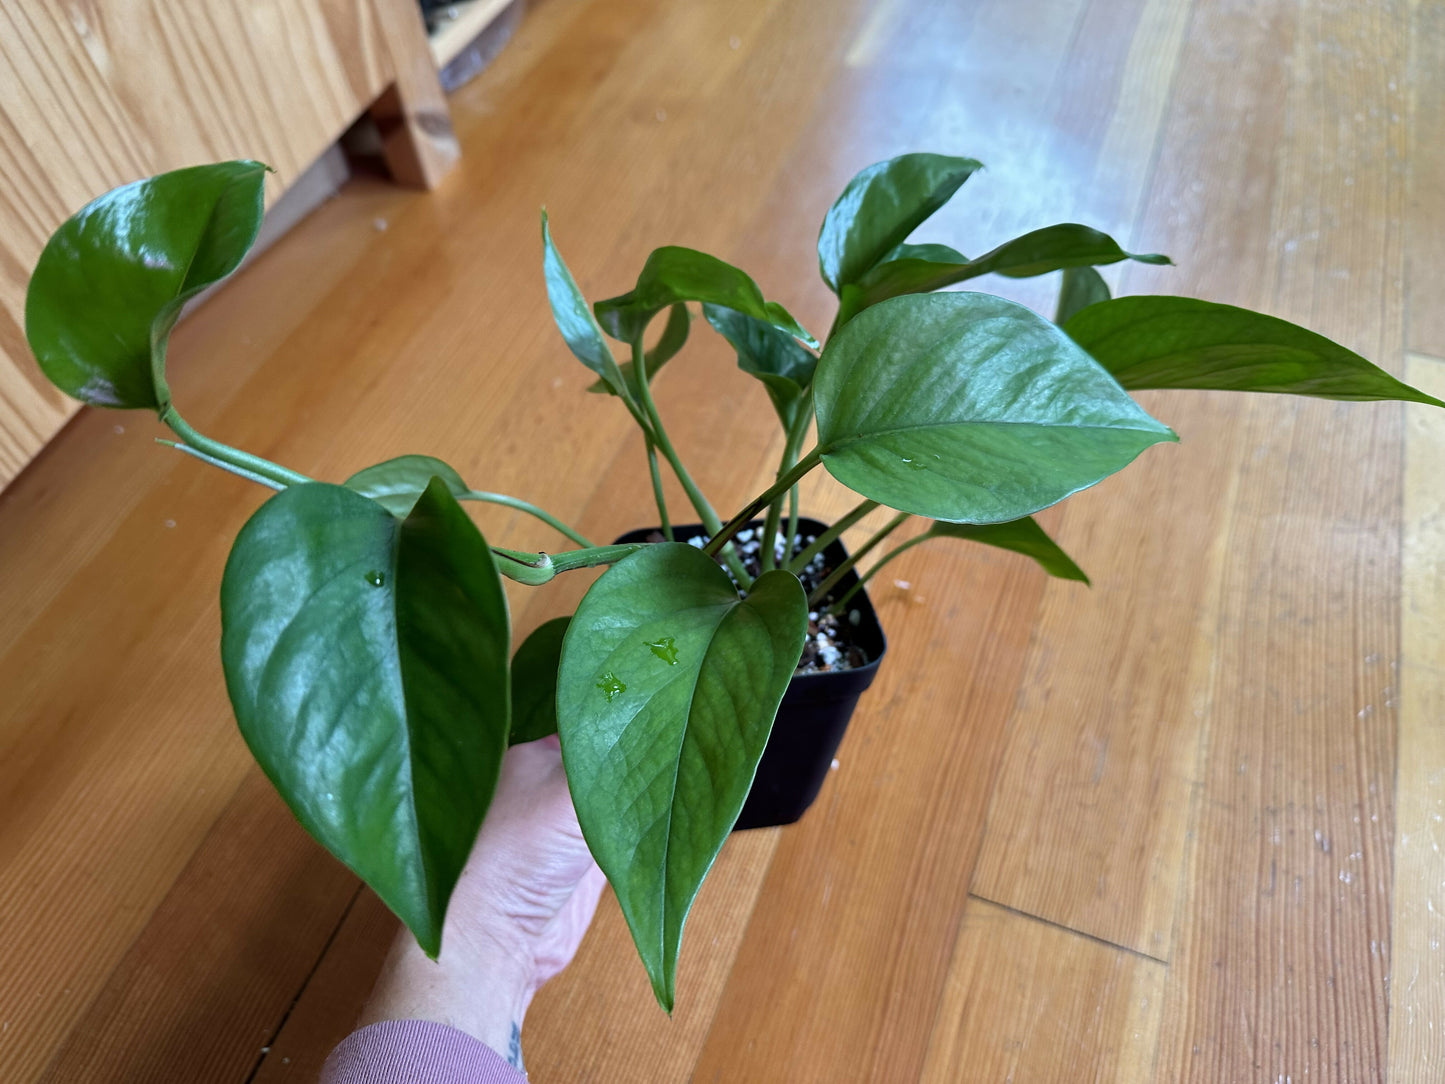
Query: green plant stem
{"type": "Point", "coordinates": [821, 591]}
{"type": "Point", "coordinates": [652, 468]}
{"type": "Point", "coordinates": [250, 476]}
{"type": "Point", "coordinates": [705, 511]}
{"type": "Point", "coordinates": [894, 552]}
{"type": "Point", "coordinates": [534, 569]}
{"type": "Point", "coordinates": [724, 534]}
{"type": "Point", "coordinates": [224, 453]}
{"type": "Point", "coordinates": [791, 446]}
{"type": "Point", "coordinates": [639, 416]}
{"type": "Point", "coordinates": [820, 543]}
{"type": "Point", "coordinates": [531, 510]}
{"type": "Point", "coordinates": [792, 535]}
{"type": "Point", "coordinates": [596, 555]}
{"type": "Point", "coordinates": [664, 443]}
{"type": "Point", "coordinates": [847, 309]}
{"type": "Point", "coordinates": [768, 538]}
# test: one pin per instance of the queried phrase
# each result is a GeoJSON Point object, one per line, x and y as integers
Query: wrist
{"type": "Point", "coordinates": [476, 987]}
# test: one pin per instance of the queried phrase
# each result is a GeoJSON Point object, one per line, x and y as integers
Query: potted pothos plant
{"type": "Point", "coordinates": [365, 635]}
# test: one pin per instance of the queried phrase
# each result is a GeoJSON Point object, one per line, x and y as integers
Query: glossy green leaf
{"type": "Point", "coordinates": [366, 658]}
{"type": "Point", "coordinates": [573, 316]}
{"type": "Point", "coordinates": [928, 253]}
{"type": "Point", "coordinates": [1179, 342]}
{"type": "Point", "coordinates": [672, 275]}
{"type": "Point", "coordinates": [534, 682]}
{"type": "Point", "coordinates": [112, 279]}
{"type": "Point", "coordinates": [668, 688]}
{"type": "Point", "coordinates": [969, 408]}
{"type": "Point", "coordinates": [674, 336]}
{"type": "Point", "coordinates": [1023, 536]}
{"type": "Point", "coordinates": [397, 483]}
{"type": "Point", "coordinates": [1082, 287]}
{"type": "Point", "coordinates": [782, 363]}
{"type": "Point", "coordinates": [918, 269]}
{"type": "Point", "coordinates": [880, 207]}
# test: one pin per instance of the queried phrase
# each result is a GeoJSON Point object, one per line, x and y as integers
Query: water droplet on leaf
{"type": "Point", "coordinates": [610, 685]}
{"type": "Point", "coordinates": [665, 649]}
{"type": "Point", "coordinates": [376, 578]}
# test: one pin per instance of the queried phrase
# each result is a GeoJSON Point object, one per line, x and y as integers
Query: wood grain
{"type": "Point", "coordinates": [182, 974]}
{"type": "Point", "coordinates": [1028, 1001]}
{"type": "Point", "coordinates": [1282, 951]}
{"type": "Point", "coordinates": [417, 138]}
{"type": "Point", "coordinates": [1417, 921]}
{"type": "Point", "coordinates": [1425, 178]}
{"type": "Point", "coordinates": [1138, 832]}
{"type": "Point", "coordinates": [95, 95]}
{"type": "Point", "coordinates": [1089, 822]}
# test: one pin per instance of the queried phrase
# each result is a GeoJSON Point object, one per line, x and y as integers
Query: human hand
{"type": "Point", "coordinates": [516, 917]}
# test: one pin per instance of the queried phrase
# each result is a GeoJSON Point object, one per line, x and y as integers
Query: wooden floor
{"type": "Point", "coordinates": [1185, 825]}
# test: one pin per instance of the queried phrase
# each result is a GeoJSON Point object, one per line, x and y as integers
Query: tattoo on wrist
{"type": "Point", "coordinates": [514, 1047]}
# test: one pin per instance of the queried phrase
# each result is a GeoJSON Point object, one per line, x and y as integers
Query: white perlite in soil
{"type": "Point", "coordinates": [828, 647]}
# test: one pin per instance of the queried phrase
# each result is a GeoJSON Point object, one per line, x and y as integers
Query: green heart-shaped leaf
{"type": "Point", "coordinates": [1023, 536]}
{"type": "Point", "coordinates": [398, 483]}
{"type": "Point", "coordinates": [969, 408]}
{"type": "Point", "coordinates": [667, 693]}
{"type": "Point", "coordinates": [573, 316]}
{"type": "Point", "coordinates": [880, 207]}
{"type": "Point", "coordinates": [534, 682]}
{"type": "Point", "coordinates": [918, 268]}
{"type": "Point", "coordinates": [782, 363]}
{"type": "Point", "coordinates": [1180, 342]}
{"type": "Point", "coordinates": [112, 279]}
{"type": "Point", "coordinates": [672, 275]}
{"type": "Point", "coordinates": [674, 336]}
{"type": "Point", "coordinates": [366, 658]}
{"type": "Point", "coordinates": [1082, 287]}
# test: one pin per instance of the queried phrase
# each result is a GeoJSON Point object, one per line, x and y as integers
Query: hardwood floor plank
{"type": "Point", "coordinates": [1282, 952]}
{"type": "Point", "coordinates": [1417, 923]}
{"type": "Point", "coordinates": [1092, 804]}
{"type": "Point", "coordinates": [220, 951]}
{"type": "Point", "coordinates": [1096, 843]}
{"type": "Point", "coordinates": [1419, 88]}
{"type": "Point", "coordinates": [325, 1008]}
{"type": "Point", "coordinates": [1029, 1001]}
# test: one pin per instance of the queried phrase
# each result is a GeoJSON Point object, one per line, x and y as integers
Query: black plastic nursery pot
{"type": "Point", "coordinates": [815, 710]}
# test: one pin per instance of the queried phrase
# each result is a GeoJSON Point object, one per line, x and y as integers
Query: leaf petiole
{"type": "Point", "coordinates": [596, 555]}
{"type": "Point", "coordinates": [821, 591]}
{"type": "Point", "coordinates": [531, 509]}
{"type": "Point", "coordinates": [724, 534]}
{"type": "Point", "coordinates": [535, 569]}
{"type": "Point", "coordinates": [233, 457]}
{"type": "Point", "coordinates": [663, 521]}
{"type": "Point", "coordinates": [705, 511]}
{"type": "Point", "coordinates": [240, 472]}
{"type": "Point", "coordinates": [791, 446]}
{"type": "Point", "coordinates": [825, 539]}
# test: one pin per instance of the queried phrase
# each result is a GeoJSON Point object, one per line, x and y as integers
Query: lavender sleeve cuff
{"type": "Point", "coordinates": [415, 1052]}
